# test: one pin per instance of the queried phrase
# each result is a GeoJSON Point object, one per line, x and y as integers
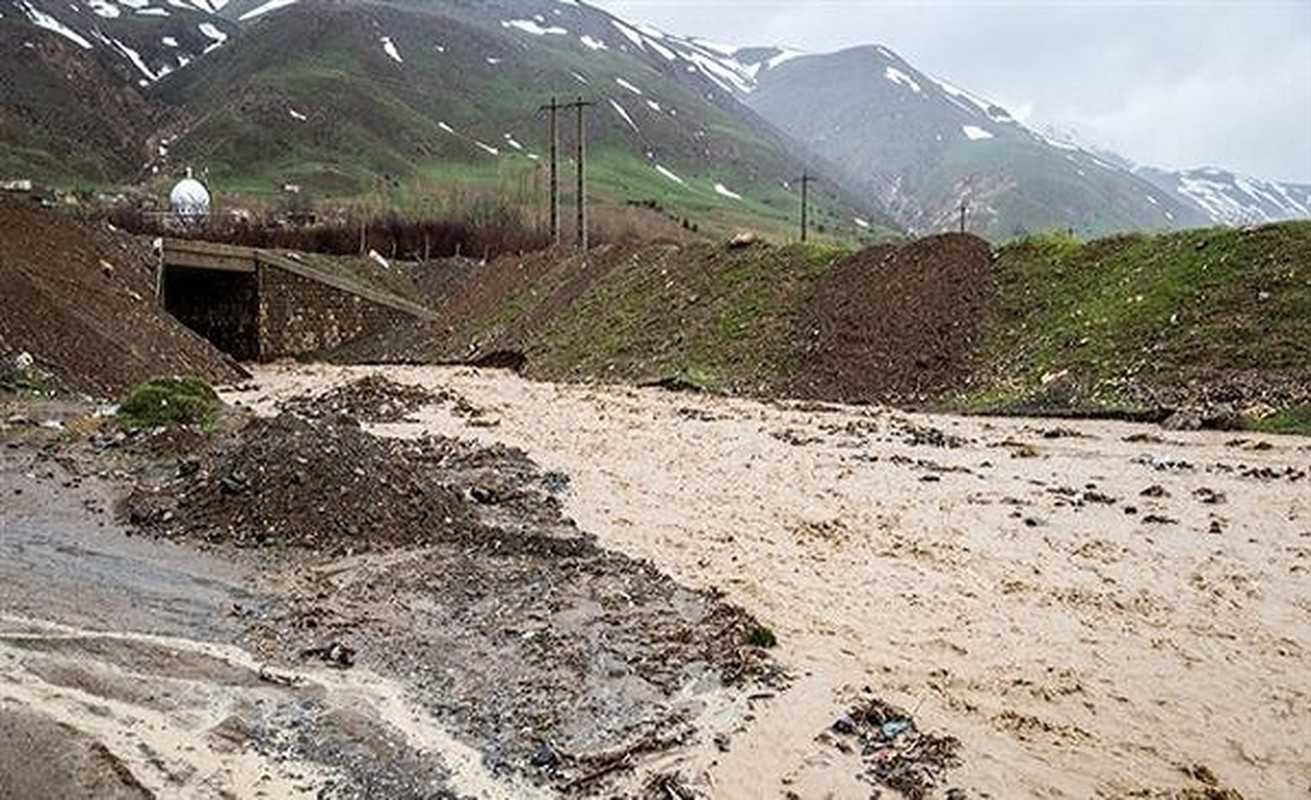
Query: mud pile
{"type": "Point", "coordinates": [895, 324]}
{"type": "Point", "coordinates": [287, 481]}
{"type": "Point", "coordinates": [81, 301]}
{"type": "Point", "coordinates": [373, 398]}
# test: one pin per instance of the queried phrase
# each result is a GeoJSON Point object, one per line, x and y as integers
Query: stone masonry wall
{"type": "Point", "coordinates": [300, 316]}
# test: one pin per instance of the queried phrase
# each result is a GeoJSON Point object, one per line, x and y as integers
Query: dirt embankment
{"type": "Point", "coordinates": [895, 324]}
{"type": "Point", "coordinates": [82, 303]}
{"type": "Point", "coordinates": [890, 323]}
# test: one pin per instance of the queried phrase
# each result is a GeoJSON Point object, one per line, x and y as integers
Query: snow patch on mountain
{"type": "Point", "coordinates": [103, 8]}
{"type": "Point", "coordinates": [624, 115]}
{"type": "Point", "coordinates": [271, 5]}
{"type": "Point", "coordinates": [629, 34]}
{"type": "Point", "coordinates": [706, 44]}
{"type": "Point", "coordinates": [1233, 199]}
{"type": "Point", "coordinates": [661, 50]}
{"type": "Point", "coordinates": [724, 73]}
{"type": "Point", "coordinates": [784, 57]}
{"type": "Point", "coordinates": [211, 32]}
{"type": "Point", "coordinates": [389, 47]}
{"type": "Point", "coordinates": [975, 133]}
{"type": "Point", "coordinates": [897, 76]}
{"type": "Point", "coordinates": [592, 44]}
{"type": "Point", "coordinates": [630, 87]}
{"type": "Point", "coordinates": [973, 103]}
{"type": "Point", "coordinates": [43, 20]}
{"type": "Point", "coordinates": [135, 58]}
{"type": "Point", "coordinates": [532, 26]}
{"type": "Point", "coordinates": [724, 191]}
{"type": "Point", "coordinates": [671, 176]}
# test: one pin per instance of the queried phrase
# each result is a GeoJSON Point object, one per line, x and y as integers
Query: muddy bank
{"type": "Point", "coordinates": [129, 669]}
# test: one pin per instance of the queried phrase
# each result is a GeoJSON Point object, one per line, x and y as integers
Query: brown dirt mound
{"type": "Point", "coordinates": [895, 324]}
{"type": "Point", "coordinates": [289, 481]}
{"type": "Point", "coordinates": [82, 303]}
{"type": "Point", "coordinates": [373, 398]}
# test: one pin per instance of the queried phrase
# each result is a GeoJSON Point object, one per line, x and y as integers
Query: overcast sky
{"type": "Point", "coordinates": [1173, 84]}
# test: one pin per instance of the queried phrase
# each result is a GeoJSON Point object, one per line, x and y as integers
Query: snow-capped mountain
{"type": "Point", "coordinates": [149, 39]}
{"type": "Point", "coordinates": [393, 88]}
{"type": "Point", "coordinates": [1234, 199]}
{"type": "Point", "coordinates": [925, 146]}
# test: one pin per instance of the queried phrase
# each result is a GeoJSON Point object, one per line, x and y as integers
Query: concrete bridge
{"type": "Point", "coordinates": [257, 305]}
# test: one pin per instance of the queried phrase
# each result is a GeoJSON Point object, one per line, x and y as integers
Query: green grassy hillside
{"type": "Point", "coordinates": [1141, 322]}
{"type": "Point", "coordinates": [407, 107]}
{"type": "Point", "coordinates": [1131, 324]}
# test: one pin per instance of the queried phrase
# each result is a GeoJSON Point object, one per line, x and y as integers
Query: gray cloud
{"type": "Point", "coordinates": [1174, 84]}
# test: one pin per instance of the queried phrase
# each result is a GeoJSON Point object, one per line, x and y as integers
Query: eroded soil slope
{"type": "Point", "coordinates": [81, 302]}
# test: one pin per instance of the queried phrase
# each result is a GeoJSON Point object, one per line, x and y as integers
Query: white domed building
{"type": "Point", "coordinates": [189, 199]}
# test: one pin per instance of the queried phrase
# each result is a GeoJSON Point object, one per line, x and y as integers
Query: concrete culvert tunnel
{"type": "Point", "coordinates": [222, 306]}
{"type": "Point", "coordinates": [258, 305]}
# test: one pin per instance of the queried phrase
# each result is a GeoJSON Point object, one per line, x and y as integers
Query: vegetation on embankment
{"type": "Point", "coordinates": [1136, 325]}
{"type": "Point", "coordinates": [1141, 322]}
{"type": "Point", "coordinates": [711, 316]}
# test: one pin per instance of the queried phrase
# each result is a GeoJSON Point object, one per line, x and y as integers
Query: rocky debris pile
{"type": "Point", "coordinates": [451, 567]}
{"type": "Point", "coordinates": [373, 398]}
{"type": "Point", "coordinates": [896, 324]}
{"type": "Point", "coordinates": [81, 301]}
{"type": "Point", "coordinates": [896, 753]}
{"type": "Point", "coordinates": [286, 481]}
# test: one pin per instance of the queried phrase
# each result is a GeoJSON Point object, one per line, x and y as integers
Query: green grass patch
{"type": "Point", "coordinates": [1295, 420]}
{"type": "Point", "coordinates": [720, 317]}
{"type": "Point", "coordinates": [760, 636]}
{"type": "Point", "coordinates": [170, 402]}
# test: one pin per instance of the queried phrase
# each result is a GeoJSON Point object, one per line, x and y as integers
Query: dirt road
{"type": "Point", "coordinates": [1095, 609]}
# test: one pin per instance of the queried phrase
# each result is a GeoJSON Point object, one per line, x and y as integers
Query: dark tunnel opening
{"type": "Point", "coordinates": [220, 305]}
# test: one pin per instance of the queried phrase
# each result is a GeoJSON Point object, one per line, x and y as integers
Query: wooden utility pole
{"type": "Point", "coordinates": [805, 203]}
{"type": "Point", "coordinates": [554, 107]}
{"type": "Point", "coordinates": [963, 207]}
{"type": "Point", "coordinates": [578, 105]}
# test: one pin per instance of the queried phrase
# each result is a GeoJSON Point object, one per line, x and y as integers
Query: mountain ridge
{"type": "Point", "coordinates": [224, 83]}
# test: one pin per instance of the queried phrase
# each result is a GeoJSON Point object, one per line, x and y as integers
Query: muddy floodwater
{"type": "Point", "coordinates": [1062, 609]}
